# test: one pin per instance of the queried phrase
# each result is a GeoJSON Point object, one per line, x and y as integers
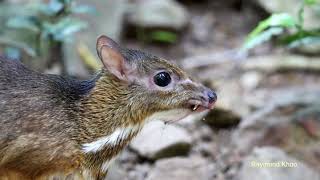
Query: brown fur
{"type": "Point", "coordinates": [45, 119]}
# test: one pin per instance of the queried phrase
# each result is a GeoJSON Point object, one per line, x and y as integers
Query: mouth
{"type": "Point", "coordinates": [199, 106]}
{"type": "Point", "coordinates": [193, 107]}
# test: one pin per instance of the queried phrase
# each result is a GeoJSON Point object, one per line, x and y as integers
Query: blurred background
{"type": "Point", "coordinates": [261, 57]}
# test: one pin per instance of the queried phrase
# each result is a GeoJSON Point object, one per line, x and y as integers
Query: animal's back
{"type": "Point", "coordinates": [35, 116]}
{"type": "Point", "coordinates": [25, 93]}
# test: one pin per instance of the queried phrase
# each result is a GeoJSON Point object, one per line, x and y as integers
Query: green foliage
{"type": "Point", "coordinates": [47, 21]}
{"type": "Point", "coordinates": [63, 29]}
{"type": "Point", "coordinates": [156, 35]}
{"type": "Point", "coordinates": [18, 44]}
{"type": "Point", "coordinates": [21, 22]}
{"type": "Point", "coordinates": [289, 30]}
{"type": "Point", "coordinates": [163, 36]}
{"type": "Point", "coordinates": [310, 2]}
{"type": "Point", "coordinates": [255, 39]}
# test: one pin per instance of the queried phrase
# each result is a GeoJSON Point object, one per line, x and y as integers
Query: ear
{"type": "Point", "coordinates": [109, 53]}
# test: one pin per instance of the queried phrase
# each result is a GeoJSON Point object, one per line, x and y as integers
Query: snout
{"type": "Point", "coordinates": [209, 97]}
{"type": "Point", "coordinates": [212, 97]}
{"type": "Point", "coordinates": [206, 101]}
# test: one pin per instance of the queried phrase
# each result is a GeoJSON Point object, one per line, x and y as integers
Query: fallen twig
{"type": "Point", "coordinates": [212, 59]}
{"type": "Point", "coordinates": [87, 57]}
{"type": "Point", "coordinates": [282, 62]}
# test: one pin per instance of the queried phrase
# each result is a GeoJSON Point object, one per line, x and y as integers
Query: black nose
{"type": "Point", "coordinates": [212, 96]}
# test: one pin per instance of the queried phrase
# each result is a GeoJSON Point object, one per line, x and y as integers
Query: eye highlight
{"type": "Point", "coordinates": [162, 79]}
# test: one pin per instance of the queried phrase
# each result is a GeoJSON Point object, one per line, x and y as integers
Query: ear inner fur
{"type": "Point", "coordinates": [112, 60]}
{"type": "Point", "coordinates": [106, 41]}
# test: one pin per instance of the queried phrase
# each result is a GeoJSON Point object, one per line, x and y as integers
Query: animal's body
{"type": "Point", "coordinates": [53, 127]}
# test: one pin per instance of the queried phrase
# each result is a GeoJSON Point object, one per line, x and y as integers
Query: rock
{"type": "Point", "coordinates": [157, 140]}
{"type": "Point", "coordinates": [272, 163]}
{"type": "Point", "coordinates": [222, 118]}
{"type": "Point", "coordinates": [274, 122]}
{"type": "Point", "coordinates": [178, 168]}
{"type": "Point", "coordinates": [115, 172]}
{"type": "Point", "coordinates": [139, 172]}
{"type": "Point", "coordinates": [201, 132]}
{"type": "Point", "coordinates": [154, 13]}
{"type": "Point", "coordinates": [207, 149]}
{"type": "Point", "coordinates": [201, 27]}
{"type": "Point", "coordinates": [127, 156]}
{"type": "Point", "coordinates": [230, 97]}
{"type": "Point", "coordinates": [250, 80]}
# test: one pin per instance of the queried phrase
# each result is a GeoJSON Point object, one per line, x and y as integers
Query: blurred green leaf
{"type": "Point", "coordinates": [83, 9]}
{"type": "Point", "coordinates": [12, 53]}
{"type": "Point", "coordinates": [7, 10]}
{"type": "Point", "coordinates": [66, 1]}
{"type": "Point", "coordinates": [55, 6]}
{"type": "Point", "coordinates": [63, 29]}
{"type": "Point", "coordinates": [21, 45]}
{"type": "Point", "coordinates": [269, 27]}
{"type": "Point", "coordinates": [308, 40]}
{"type": "Point", "coordinates": [163, 36]}
{"type": "Point", "coordinates": [310, 2]}
{"type": "Point", "coordinates": [288, 39]}
{"type": "Point", "coordinates": [23, 23]}
{"type": "Point", "coordinates": [41, 21]}
{"type": "Point", "coordinates": [294, 38]}
{"type": "Point", "coordinates": [262, 37]}
{"type": "Point", "coordinates": [71, 29]}
{"type": "Point", "coordinates": [282, 20]}
{"type": "Point", "coordinates": [49, 9]}
{"type": "Point", "coordinates": [38, 8]}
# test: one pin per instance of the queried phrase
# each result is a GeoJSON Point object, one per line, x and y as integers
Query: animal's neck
{"type": "Point", "coordinates": [109, 106]}
{"type": "Point", "coordinates": [100, 153]}
{"type": "Point", "coordinates": [108, 118]}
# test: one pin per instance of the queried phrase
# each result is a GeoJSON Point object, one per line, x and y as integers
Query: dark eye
{"type": "Point", "coordinates": [162, 79]}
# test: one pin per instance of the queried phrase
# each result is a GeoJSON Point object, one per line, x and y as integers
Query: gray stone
{"type": "Point", "coordinates": [139, 172]}
{"type": "Point", "coordinates": [222, 118]}
{"type": "Point", "coordinates": [250, 80]}
{"type": "Point", "coordinates": [272, 163]}
{"type": "Point", "coordinates": [157, 140]}
{"type": "Point", "coordinates": [230, 97]}
{"type": "Point", "coordinates": [201, 27]}
{"type": "Point", "coordinates": [255, 128]}
{"type": "Point", "coordinates": [154, 13]}
{"type": "Point", "coordinates": [194, 168]}
{"type": "Point", "coordinates": [115, 172]}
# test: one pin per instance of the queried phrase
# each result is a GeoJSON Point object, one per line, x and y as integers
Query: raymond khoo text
{"type": "Point", "coordinates": [276, 164]}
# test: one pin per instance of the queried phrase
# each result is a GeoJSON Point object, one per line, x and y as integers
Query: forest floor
{"type": "Point", "coordinates": [266, 109]}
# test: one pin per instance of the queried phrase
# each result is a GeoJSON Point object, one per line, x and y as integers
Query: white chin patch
{"type": "Point", "coordinates": [199, 115]}
{"type": "Point", "coordinates": [175, 115]}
